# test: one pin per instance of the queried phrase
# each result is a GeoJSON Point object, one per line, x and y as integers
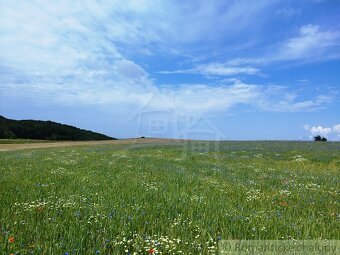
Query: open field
{"type": "Point", "coordinates": [22, 141]}
{"type": "Point", "coordinates": [165, 197]}
{"type": "Point", "coordinates": [23, 144]}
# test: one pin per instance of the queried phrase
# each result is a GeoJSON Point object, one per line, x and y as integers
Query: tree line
{"type": "Point", "coordinates": [45, 130]}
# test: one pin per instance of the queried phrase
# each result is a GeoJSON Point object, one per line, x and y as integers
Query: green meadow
{"type": "Point", "coordinates": [170, 198]}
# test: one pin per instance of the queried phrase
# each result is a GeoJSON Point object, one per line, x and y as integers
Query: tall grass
{"type": "Point", "coordinates": [166, 199]}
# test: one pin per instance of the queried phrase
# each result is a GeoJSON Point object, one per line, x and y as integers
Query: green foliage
{"type": "Point", "coordinates": [45, 130]}
{"type": "Point", "coordinates": [318, 138]}
{"type": "Point", "coordinates": [121, 199]}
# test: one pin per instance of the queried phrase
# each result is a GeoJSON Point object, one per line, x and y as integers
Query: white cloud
{"type": "Point", "coordinates": [136, 92]}
{"type": "Point", "coordinates": [336, 128]}
{"type": "Point", "coordinates": [329, 132]}
{"type": "Point", "coordinates": [73, 53]}
{"type": "Point", "coordinates": [306, 127]}
{"type": "Point", "coordinates": [288, 12]}
{"type": "Point", "coordinates": [223, 69]}
{"type": "Point", "coordinates": [288, 101]}
{"type": "Point", "coordinates": [311, 44]}
{"type": "Point", "coordinates": [130, 70]}
{"type": "Point", "coordinates": [63, 37]}
{"type": "Point", "coordinates": [319, 130]}
{"type": "Point", "coordinates": [217, 69]}
{"type": "Point", "coordinates": [209, 21]}
{"type": "Point", "coordinates": [309, 29]}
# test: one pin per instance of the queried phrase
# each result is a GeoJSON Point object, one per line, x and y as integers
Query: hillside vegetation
{"type": "Point", "coordinates": [45, 130]}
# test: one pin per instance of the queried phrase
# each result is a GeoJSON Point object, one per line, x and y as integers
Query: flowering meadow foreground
{"type": "Point", "coordinates": [171, 198]}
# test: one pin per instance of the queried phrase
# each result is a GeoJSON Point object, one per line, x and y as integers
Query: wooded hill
{"type": "Point", "coordinates": [45, 130]}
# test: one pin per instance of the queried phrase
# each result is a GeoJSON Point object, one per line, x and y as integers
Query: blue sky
{"type": "Point", "coordinates": [181, 69]}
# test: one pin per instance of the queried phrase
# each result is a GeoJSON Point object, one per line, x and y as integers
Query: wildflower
{"type": "Point", "coordinates": [11, 239]}
{"type": "Point", "coordinates": [40, 209]}
{"type": "Point", "coordinates": [283, 203]}
{"type": "Point", "coordinates": [151, 251]}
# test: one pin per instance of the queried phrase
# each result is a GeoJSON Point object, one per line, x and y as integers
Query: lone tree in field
{"type": "Point", "coordinates": [318, 138]}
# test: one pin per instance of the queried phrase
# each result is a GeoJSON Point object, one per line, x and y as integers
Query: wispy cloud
{"type": "Point", "coordinates": [289, 105]}
{"type": "Point", "coordinates": [288, 12]}
{"type": "Point", "coordinates": [74, 53]}
{"type": "Point", "coordinates": [310, 45]}
{"type": "Point", "coordinates": [218, 69]}
{"type": "Point", "coordinates": [140, 91]}
{"type": "Point", "coordinates": [336, 128]}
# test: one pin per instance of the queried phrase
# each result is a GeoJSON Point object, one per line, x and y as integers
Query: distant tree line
{"type": "Point", "coordinates": [318, 138]}
{"type": "Point", "coordinates": [45, 130]}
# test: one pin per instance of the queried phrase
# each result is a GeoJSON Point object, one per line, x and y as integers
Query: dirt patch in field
{"type": "Point", "coordinates": [12, 147]}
